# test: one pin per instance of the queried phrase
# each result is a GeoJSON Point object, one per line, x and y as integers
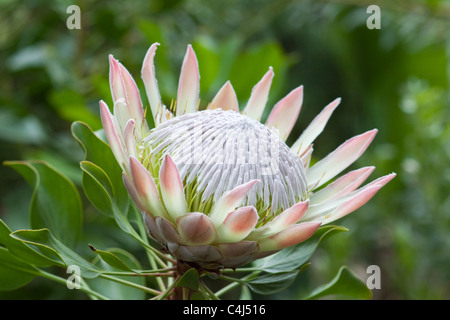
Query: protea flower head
{"type": "Point", "coordinates": [216, 187]}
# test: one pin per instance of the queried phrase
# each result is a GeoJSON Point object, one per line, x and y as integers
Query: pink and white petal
{"type": "Point", "coordinates": [146, 188]}
{"type": "Point", "coordinates": [238, 224]}
{"type": "Point", "coordinates": [112, 135]}
{"type": "Point", "coordinates": [172, 189]}
{"type": "Point", "coordinates": [315, 128]}
{"type": "Point", "coordinates": [324, 209]}
{"type": "Point", "coordinates": [285, 113]}
{"type": "Point", "coordinates": [115, 80]}
{"type": "Point", "coordinates": [121, 114]}
{"type": "Point", "coordinates": [339, 159]}
{"type": "Point", "coordinates": [195, 228]}
{"type": "Point", "coordinates": [133, 97]}
{"type": "Point", "coordinates": [382, 181]}
{"type": "Point", "coordinates": [352, 205]}
{"type": "Point", "coordinates": [259, 96]}
{"type": "Point", "coordinates": [151, 83]}
{"type": "Point", "coordinates": [225, 99]}
{"type": "Point", "coordinates": [288, 237]}
{"type": "Point", "coordinates": [287, 218]}
{"type": "Point", "coordinates": [123, 86]}
{"type": "Point", "coordinates": [133, 193]}
{"type": "Point", "coordinates": [305, 157]}
{"type": "Point", "coordinates": [128, 136]}
{"type": "Point", "coordinates": [189, 84]}
{"type": "Point", "coordinates": [342, 186]}
{"type": "Point", "coordinates": [229, 201]}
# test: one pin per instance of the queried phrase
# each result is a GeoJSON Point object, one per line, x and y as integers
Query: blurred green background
{"type": "Point", "coordinates": [395, 79]}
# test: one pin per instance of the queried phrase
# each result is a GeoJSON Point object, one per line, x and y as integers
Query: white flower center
{"type": "Point", "coordinates": [216, 151]}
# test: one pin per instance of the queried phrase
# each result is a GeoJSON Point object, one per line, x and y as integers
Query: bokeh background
{"type": "Point", "coordinates": [395, 79]}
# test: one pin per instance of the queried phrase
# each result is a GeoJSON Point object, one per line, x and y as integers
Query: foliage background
{"type": "Point", "coordinates": [395, 79]}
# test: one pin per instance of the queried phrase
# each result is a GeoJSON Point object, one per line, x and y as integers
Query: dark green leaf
{"type": "Point", "coordinates": [14, 273]}
{"type": "Point", "coordinates": [344, 283]}
{"type": "Point", "coordinates": [114, 290]}
{"type": "Point", "coordinates": [189, 279]}
{"type": "Point", "coordinates": [271, 283]}
{"type": "Point", "coordinates": [25, 252]}
{"type": "Point", "coordinates": [55, 203]}
{"type": "Point", "coordinates": [47, 243]}
{"type": "Point", "coordinates": [99, 153]}
{"type": "Point", "coordinates": [112, 260]}
{"type": "Point", "coordinates": [97, 187]}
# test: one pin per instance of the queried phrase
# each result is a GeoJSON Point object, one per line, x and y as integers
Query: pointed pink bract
{"type": "Point", "coordinates": [225, 99]}
{"type": "Point", "coordinates": [238, 224]}
{"type": "Point", "coordinates": [112, 135]}
{"type": "Point", "coordinates": [229, 201]}
{"type": "Point", "coordinates": [172, 188]}
{"type": "Point", "coordinates": [291, 236]}
{"type": "Point", "coordinates": [342, 186]}
{"type": "Point", "coordinates": [259, 96]}
{"type": "Point", "coordinates": [151, 84]}
{"type": "Point", "coordinates": [315, 128]}
{"type": "Point", "coordinates": [189, 84]}
{"type": "Point", "coordinates": [339, 159]}
{"type": "Point", "coordinates": [285, 113]}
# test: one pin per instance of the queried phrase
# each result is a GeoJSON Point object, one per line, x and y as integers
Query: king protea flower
{"type": "Point", "coordinates": [216, 187]}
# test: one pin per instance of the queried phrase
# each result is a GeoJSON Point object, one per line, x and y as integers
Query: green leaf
{"type": "Point", "coordinates": [14, 273]}
{"type": "Point", "coordinates": [114, 290]}
{"type": "Point", "coordinates": [270, 283]}
{"type": "Point", "coordinates": [344, 283]}
{"type": "Point", "coordinates": [49, 246]}
{"type": "Point", "coordinates": [99, 153]}
{"type": "Point", "coordinates": [25, 252]}
{"type": "Point", "coordinates": [55, 203]}
{"type": "Point", "coordinates": [189, 279]}
{"type": "Point", "coordinates": [292, 258]}
{"type": "Point", "coordinates": [97, 187]}
{"type": "Point", "coordinates": [281, 269]}
{"type": "Point", "coordinates": [112, 260]}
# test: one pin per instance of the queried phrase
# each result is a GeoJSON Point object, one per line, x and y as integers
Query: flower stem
{"type": "Point", "coordinates": [84, 287]}
{"type": "Point", "coordinates": [131, 284]}
{"type": "Point", "coordinates": [151, 273]}
{"type": "Point", "coordinates": [164, 294]}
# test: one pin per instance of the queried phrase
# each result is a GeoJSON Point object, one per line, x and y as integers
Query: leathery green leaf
{"type": "Point", "coordinates": [14, 273]}
{"type": "Point", "coordinates": [344, 283]}
{"type": "Point", "coordinates": [97, 187]}
{"type": "Point", "coordinates": [25, 252]}
{"type": "Point", "coordinates": [99, 153]}
{"type": "Point", "coordinates": [46, 243]}
{"type": "Point", "coordinates": [55, 203]}
{"type": "Point", "coordinates": [112, 260]}
{"type": "Point", "coordinates": [112, 289]}
{"type": "Point", "coordinates": [189, 279]}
